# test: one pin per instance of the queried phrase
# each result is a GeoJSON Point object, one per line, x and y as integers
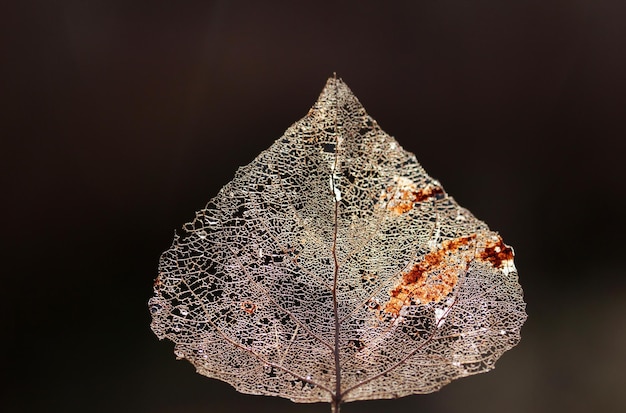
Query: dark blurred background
{"type": "Point", "coordinates": [120, 119]}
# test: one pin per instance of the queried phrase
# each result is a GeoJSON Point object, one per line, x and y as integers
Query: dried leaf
{"type": "Point", "coordinates": [333, 268]}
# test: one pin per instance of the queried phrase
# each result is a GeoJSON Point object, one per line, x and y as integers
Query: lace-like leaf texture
{"type": "Point", "coordinates": [333, 268]}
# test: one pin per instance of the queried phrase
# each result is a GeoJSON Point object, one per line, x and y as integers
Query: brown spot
{"type": "Point", "coordinates": [456, 243]}
{"type": "Point", "coordinates": [249, 307]}
{"type": "Point", "coordinates": [433, 278]}
{"type": "Point", "coordinates": [402, 197]}
{"type": "Point", "coordinates": [428, 192]}
{"type": "Point", "coordinates": [496, 252]}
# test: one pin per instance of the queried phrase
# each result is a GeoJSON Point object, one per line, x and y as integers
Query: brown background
{"type": "Point", "coordinates": [119, 119]}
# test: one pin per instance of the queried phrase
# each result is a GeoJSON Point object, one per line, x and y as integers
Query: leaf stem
{"type": "Point", "coordinates": [337, 396]}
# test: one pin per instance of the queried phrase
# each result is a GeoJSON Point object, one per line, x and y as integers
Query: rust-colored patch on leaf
{"type": "Point", "coordinates": [496, 252]}
{"type": "Point", "coordinates": [434, 277]}
{"type": "Point", "coordinates": [401, 197]}
{"type": "Point", "coordinates": [429, 192]}
{"type": "Point", "coordinates": [249, 307]}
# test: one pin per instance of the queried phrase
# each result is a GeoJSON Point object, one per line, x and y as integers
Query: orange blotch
{"type": "Point", "coordinates": [427, 193]}
{"type": "Point", "coordinates": [249, 307]}
{"type": "Point", "coordinates": [431, 279]}
{"type": "Point", "coordinates": [401, 198]}
{"type": "Point", "coordinates": [496, 252]}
